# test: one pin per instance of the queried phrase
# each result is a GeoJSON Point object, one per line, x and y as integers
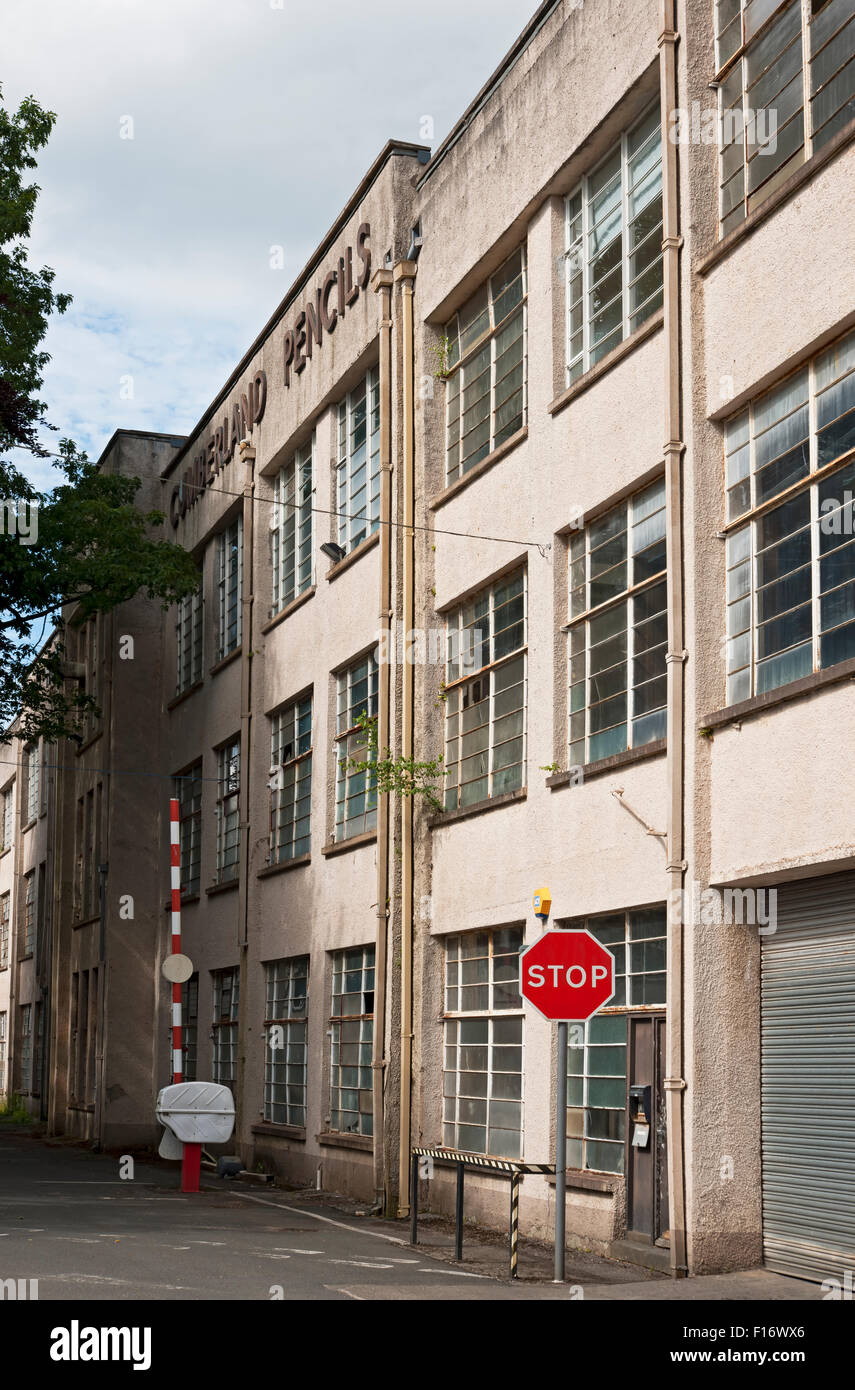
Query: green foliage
{"type": "Point", "coordinates": [14, 1111]}
{"type": "Point", "coordinates": [92, 544]}
{"type": "Point", "coordinates": [550, 767]}
{"type": "Point", "coordinates": [397, 776]}
{"type": "Point", "coordinates": [442, 354]}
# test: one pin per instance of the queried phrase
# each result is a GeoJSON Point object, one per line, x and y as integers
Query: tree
{"type": "Point", "coordinates": [91, 543]}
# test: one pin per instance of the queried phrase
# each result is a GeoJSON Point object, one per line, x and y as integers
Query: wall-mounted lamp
{"type": "Point", "coordinates": [333, 551]}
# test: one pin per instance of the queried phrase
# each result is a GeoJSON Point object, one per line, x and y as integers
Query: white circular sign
{"type": "Point", "coordinates": [177, 969]}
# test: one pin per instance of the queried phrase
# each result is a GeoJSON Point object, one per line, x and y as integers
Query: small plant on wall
{"type": "Point", "coordinates": [442, 354]}
{"type": "Point", "coordinates": [397, 776]}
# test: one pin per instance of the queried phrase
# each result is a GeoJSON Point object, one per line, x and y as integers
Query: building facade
{"type": "Point", "coordinates": [544, 465]}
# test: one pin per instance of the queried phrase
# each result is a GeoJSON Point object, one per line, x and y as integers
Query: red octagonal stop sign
{"type": "Point", "coordinates": [567, 975]}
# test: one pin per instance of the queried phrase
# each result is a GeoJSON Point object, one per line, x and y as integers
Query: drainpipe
{"type": "Point", "coordinates": [675, 1084]}
{"type": "Point", "coordinates": [247, 457]}
{"type": "Point", "coordinates": [382, 283]}
{"type": "Point", "coordinates": [101, 1006]}
{"type": "Point", "coordinates": [405, 274]}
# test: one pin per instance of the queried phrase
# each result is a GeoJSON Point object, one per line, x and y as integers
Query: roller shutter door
{"type": "Point", "coordinates": [808, 1080]}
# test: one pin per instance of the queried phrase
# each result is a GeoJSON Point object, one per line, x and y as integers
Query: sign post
{"type": "Point", "coordinates": [567, 976]}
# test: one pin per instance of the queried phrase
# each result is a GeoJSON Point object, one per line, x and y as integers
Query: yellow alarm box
{"type": "Point", "coordinates": [542, 902]}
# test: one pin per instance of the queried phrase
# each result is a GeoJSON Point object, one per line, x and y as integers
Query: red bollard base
{"type": "Point", "coordinates": [191, 1163]}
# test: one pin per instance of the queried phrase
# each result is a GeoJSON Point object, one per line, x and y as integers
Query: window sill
{"type": "Point", "coordinates": [222, 887]}
{"type": "Point", "coordinates": [4, 852]}
{"type": "Point", "coordinates": [332, 1140]}
{"type": "Point", "coordinates": [611, 359]}
{"type": "Point", "coordinates": [29, 825]}
{"type": "Point", "coordinates": [267, 1127]}
{"type": "Point", "coordinates": [298, 863]}
{"type": "Point", "coordinates": [28, 955]}
{"type": "Point", "coordinates": [85, 922]}
{"type": "Point", "coordinates": [604, 765]}
{"type": "Point", "coordinates": [93, 738]}
{"type": "Point", "coordinates": [583, 1181]}
{"type": "Point", "coordinates": [355, 841]}
{"type": "Point", "coordinates": [185, 694]}
{"type": "Point", "coordinates": [490, 803]}
{"type": "Point", "coordinates": [350, 559]}
{"type": "Point", "coordinates": [781, 195]}
{"type": "Point", "coordinates": [796, 690]}
{"type": "Point", "coordinates": [289, 608]}
{"type": "Point", "coordinates": [79, 1105]}
{"type": "Point", "coordinates": [225, 661]}
{"type": "Point", "coordinates": [478, 469]}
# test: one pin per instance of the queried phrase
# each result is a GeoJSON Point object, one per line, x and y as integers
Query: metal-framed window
{"type": "Point", "coordinates": [356, 792]}
{"type": "Point", "coordinates": [229, 587]}
{"type": "Point", "coordinates": [7, 821]}
{"type": "Point", "coordinates": [291, 528]}
{"type": "Point", "coordinates": [190, 1026]}
{"type": "Point", "coordinates": [3, 1038]}
{"type": "Point", "coordinates": [486, 385]}
{"type": "Point", "coordinates": [32, 781]}
{"type": "Point", "coordinates": [485, 724]}
{"type": "Point", "coordinates": [483, 1060]}
{"type": "Point", "coordinates": [26, 1062]}
{"type": "Point", "coordinates": [358, 467]}
{"type": "Point", "coordinates": [596, 1071]}
{"type": "Point", "coordinates": [790, 473]}
{"type": "Point", "coordinates": [224, 1030]}
{"type": "Point", "coordinates": [188, 790]}
{"type": "Point", "coordinates": [351, 1041]}
{"type": "Point", "coordinates": [291, 781]}
{"type": "Point", "coordinates": [765, 87]}
{"type": "Point", "coordinates": [614, 246]}
{"type": "Point", "coordinates": [29, 942]}
{"type": "Point", "coordinates": [228, 811]}
{"type": "Point", "coordinates": [618, 629]}
{"type": "Point", "coordinates": [188, 642]}
{"type": "Point", "coordinates": [5, 928]}
{"type": "Point", "coordinates": [285, 1052]}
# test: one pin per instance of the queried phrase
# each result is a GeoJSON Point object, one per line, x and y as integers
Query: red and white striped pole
{"type": "Point", "coordinates": [191, 1158]}
{"type": "Point", "coordinates": [175, 872]}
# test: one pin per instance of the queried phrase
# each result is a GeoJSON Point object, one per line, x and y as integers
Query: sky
{"type": "Point", "coordinates": [192, 137]}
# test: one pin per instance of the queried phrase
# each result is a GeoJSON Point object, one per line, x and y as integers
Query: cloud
{"type": "Point", "coordinates": [251, 123]}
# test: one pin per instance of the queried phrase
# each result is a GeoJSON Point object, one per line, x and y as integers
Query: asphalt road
{"type": "Point", "coordinates": [69, 1220]}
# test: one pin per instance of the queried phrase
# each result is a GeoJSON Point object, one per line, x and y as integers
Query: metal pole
{"type": "Point", "coordinates": [561, 1154]}
{"type": "Point", "coordinates": [458, 1234]}
{"type": "Point", "coordinates": [414, 1203]}
{"type": "Point", "coordinates": [175, 885]}
{"type": "Point", "coordinates": [515, 1222]}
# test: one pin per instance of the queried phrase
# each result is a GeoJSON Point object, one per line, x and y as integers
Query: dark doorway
{"type": "Point", "coordinates": [646, 1163]}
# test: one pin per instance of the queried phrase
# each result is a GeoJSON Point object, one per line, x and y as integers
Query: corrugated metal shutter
{"type": "Point", "coordinates": [808, 1080]}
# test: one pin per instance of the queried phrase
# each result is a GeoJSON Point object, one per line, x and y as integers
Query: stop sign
{"type": "Point", "coordinates": [567, 975]}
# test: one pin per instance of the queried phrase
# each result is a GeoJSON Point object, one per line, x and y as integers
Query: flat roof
{"type": "Point", "coordinates": [391, 148]}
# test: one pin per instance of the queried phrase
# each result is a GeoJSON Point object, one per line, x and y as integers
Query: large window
{"type": "Point", "coordinates": [29, 942]}
{"type": "Point", "coordinates": [291, 782]}
{"type": "Point", "coordinates": [614, 247]}
{"type": "Point", "coordinates": [356, 792]}
{"type": "Point", "coordinates": [188, 789]}
{"type": "Point", "coordinates": [190, 1026]}
{"type": "Point", "coordinates": [596, 1071]}
{"type": "Point", "coordinates": [486, 366]}
{"type": "Point", "coordinates": [291, 529]}
{"type": "Point", "coordinates": [188, 633]}
{"type": "Point", "coordinates": [483, 1067]}
{"type": "Point", "coordinates": [25, 1066]}
{"type": "Point", "coordinates": [358, 470]}
{"type": "Point", "coordinates": [225, 1025]}
{"type": "Point", "coordinates": [285, 1053]}
{"type": "Point", "coordinates": [618, 629]}
{"type": "Point", "coordinates": [760, 56]}
{"type": "Point", "coordinates": [7, 812]}
{"type": "Point", "coordinates": [5, 928]}
{"type": "Point", "coordinates": [351, 1041]}
{"type": "Point", "coordinates": [228, 811]}
{"type": "Point", "coordinates": [32, 781]}
{"type": "Point", "coordinates": [791, 565]}
{"type": "Point", "coordinates": [486, 694]}
{"type": "Point", "coordinates": [229, 586]}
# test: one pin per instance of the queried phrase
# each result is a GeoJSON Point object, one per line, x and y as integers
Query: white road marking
{"type": "Point", "coordinates": [333, 1289]}
{"type": "Point", "coordinates": [458, 1273]}
{"type": "Point", "coordinates": [207, 1242]}
{"type": "Point", "coordinates": [292, 1251]}
{"type": "Point", "coordinates": [361, 1264]}
{"type": "Point", "coordinates": [313, 1216]}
